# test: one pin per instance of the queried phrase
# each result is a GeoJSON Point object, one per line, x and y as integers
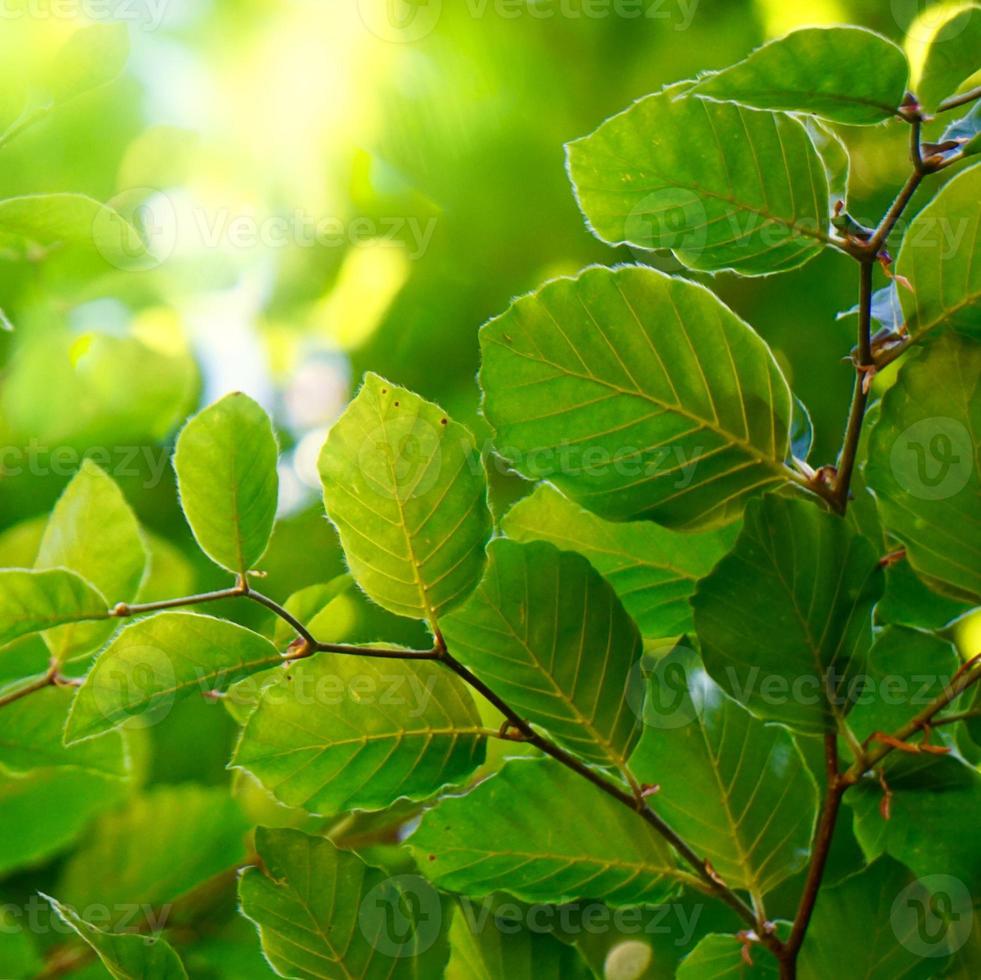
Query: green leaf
{"type": "Point", "coordinates": [785, 620]}
{"type": "Point", "coordinates": [547, 633]}
{"type": "Point", "coordinates": [31, 601]}
{"type": "Point", "coordinates": [542, 833]}
{"type": "Point", "coordinates": [928, 817]}
{"type": "Point", "coordinates": [42, 813]}
{"type": "Point", "coordinates": [721, 185]}
{"type": "Point", "coordinates": [157, 661]}
{"type": "Point", "coordinates": [345, 733]}
{"type": "Point", "coordinates": [73, 219]}
{"type": "Point", "coordinates": [906, 670]}
{"type": "Point", "coordinates": [843, 74]}
{"type": "Point", "coordinates": [719, 957]}
{"type": "Point", "coordinates": [30, 738]}
{"type": "Point", "coordinates": [316, 607]}
{"type": "Point", "coordinates": [653, 570]}
{"type": "Point", "coordinates": [226, 473]}
{"type": "Point", "coordinates": [965, 132]}
{"type": "Point", "coordinates": [936, 257]}
{"type": "Point", "coordinates": [943, 45]}
{"type": "Point", "coordinates": [93, 531]}
{"type": "Point", "coordinates": [637, 395]}
{"type": "Point", "coordinates": [92, 56]}
{"type": "Point", "coordinates": [323, 913]}
{"type": "Point", "coordinates": [161, 846]}
{"type": "Point", "coordinates": [840, 930]}
{"type": "Point", "coordinates": [406, 489]}
{"type": "Point", "coordinates": [19, 958]}
{"type": "Point", "coordinates": [127, 956]}
{"type": "Point", "coordinates": [924, 469]}
{"type": "Point", "coordinates": [737, 790]}
{"type": "Point", "coordinates": [484, 947]}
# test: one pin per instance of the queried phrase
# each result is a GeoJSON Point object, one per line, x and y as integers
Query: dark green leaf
{"type": "Point", "coordinates": [723, 186]}
{"type": "Point", "coordinates": [547, 633]}
{"type": "Point", "coordinates": [785, 619]}
{"type": "Point", "coordinates": [844, 74]}
{"type": "Point", "coordinates": [127, 956]}
{"type": "Point", "coordinates": [323, 914]}
{"type": "Point", "coordinates": [93, 531]}
{"type": "Point", "coordinates": [543, 834]}
{"type": "Point", "coordinates": [840, 931]}
{"type": "Point", "coordinates": [406, 489]}
{"type": "Point", "coordinates": [637, 395]}
{"type": "Point", "coordinates": [31, 601]}
{"type": "Point", "coordinates": [154, 662]}
{"type": "Point", "coordinates": [736, 790]}
{"type": "Point", "coordinates": [923, 465]}
{"type": "Point", "coordinates": [226, 474]}
{"type": "Point", "coordinates": [652, 569]}
{"type": "Point", "coordinates": [344, 733]}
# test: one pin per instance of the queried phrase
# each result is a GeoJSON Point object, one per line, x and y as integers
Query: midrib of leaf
{"type": "Point", "coordinates": [430, 613]}
{"type": "Point", "coordinates": [771, 462]}
{"type": "Point", "coordinates": [831, 96]}
{"type": "Point", "coordinates": [337, 955]}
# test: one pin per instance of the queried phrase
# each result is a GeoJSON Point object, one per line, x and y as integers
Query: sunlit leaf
{"type": "Point", "coordinates": [31, 601]}
{"type": "Point", "coordinates": [724, 958]}
{"type": "Point", "coordinates": [637, 395]}
{"type": "Point", "coordinates": [736, 789]}
{"type": "Point", "coordinates": [92, 56]}
{"type": "Point", "coordinates": [844, 74]}
{"type": "Point", "coordinates": [721, 185]}
{"type": "Point", "coordinates": [226, 474]}
{"type": "Point", "coordinates": [652, 569]}
{"type": "Point", "coordinates": [924, 465]}
{"type": "Point", "coordinates": [30, 738]}
{"type": "Point", "coordinates": [785, 619]}
{"type": "Point", "coordinates": [405, 487]}
{"type": "Point", "coordinates": [73, 219]}
{"type": "Point", "coordinates": [483, 947]}
{"type": "Point", "coordinates": [323, 914]}
{"type": "Point", "coordinates": [161, 846]}
{"type": "Point", "coordinates": [547, 633]}
{"type": "Point", "coordinates": [127, 956]}
{"type": "Point", "coordinates": [937, 258]}
{"type": "Point", "coordinates": [343, 733]}
{"type": "Point", "coordinates": [943, 44]}
{"type": "Point", "coordinates": [93, 531]}
{"type": "Point", "coordinates": [508, 834]}
{"type": "Point", "coordinates": [154, 662]}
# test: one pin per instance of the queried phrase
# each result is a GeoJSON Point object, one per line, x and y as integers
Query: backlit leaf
{"type": "Point", "coordinates": [154, 662]}
{"type": "Point", "coordinates": [736, 789]}
{"type": "Point", "coordinates": [721, 185]}
{"type": "Point", "coordinates": [405, 487]}
{"type": "Point", "coordinates": [508, 834]}
{"type": "Point", "coordinates": [652, 569]}
{"type": "Point", "coordinates": [31, 601]}
{"type": "Point", "coordinates": [92, 56]}
{"type": "Point", "coordinates": [93, 532]}
{"type": "Point", "coordinates": [924, 465]}
{"type": "Point", "coordinates": [637, 395]}
{"type": "Point", "coordinates": [226, 474]}
{"type": "Point", "coordinates": [323, 914]}
{"type": "Point", "coordinates": [937, 257]}
{"type": "Point", "coordinates": [843, 74]}
{"type": "Point", "coordinates": [342, 733]}
{"type": "Point", "coordinates": [785, 619]}
{"type": "Point", "coordinates": [127, 956]}
{"type": "Point", "coordinates": [547, 633]}
{"type": "Point", "coordinates": [943, 44]}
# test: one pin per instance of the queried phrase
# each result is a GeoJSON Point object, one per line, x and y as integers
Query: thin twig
{"type": "Point", "coordinates": [958, 100]}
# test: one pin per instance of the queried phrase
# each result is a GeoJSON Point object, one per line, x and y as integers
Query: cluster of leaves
{"type": "Point", "coordinates": [658, 676]}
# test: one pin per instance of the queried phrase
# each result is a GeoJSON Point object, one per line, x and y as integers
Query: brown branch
{"type": "Point", "coordinates": [953, 101]}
